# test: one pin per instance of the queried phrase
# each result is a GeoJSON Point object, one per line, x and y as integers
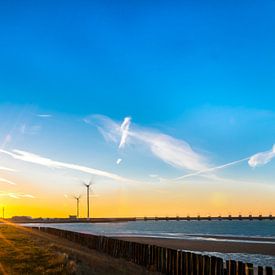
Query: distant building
{"type": "Point", "coordinates": [21, 218]}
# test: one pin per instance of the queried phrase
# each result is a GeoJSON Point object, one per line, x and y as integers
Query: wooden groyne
{"type": "Point", "coordinates": [161, 259]}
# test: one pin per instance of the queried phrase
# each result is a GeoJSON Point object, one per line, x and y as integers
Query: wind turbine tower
{"type": "Point", "coordinates": [88, 185]}
{"type": "Point", "coordinates": [77, 205]}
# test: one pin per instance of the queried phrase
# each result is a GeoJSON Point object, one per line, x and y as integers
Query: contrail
{"type": "Point", "coordinates": [258, 159]}
{"type": "Point", "coordinates": [212, 169]}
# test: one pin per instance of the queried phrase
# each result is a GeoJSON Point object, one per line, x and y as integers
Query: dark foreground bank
{"type": "Point", "coordinates": [26, 251]}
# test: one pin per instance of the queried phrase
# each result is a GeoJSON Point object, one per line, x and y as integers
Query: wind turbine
{"type": "Point", "coordinates": [88, 185]}
{"type": "Point", "coordinates": [77, 205]}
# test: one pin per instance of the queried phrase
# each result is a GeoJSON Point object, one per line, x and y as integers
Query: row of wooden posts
{"type": "Point", "coordinates": [161, 259]}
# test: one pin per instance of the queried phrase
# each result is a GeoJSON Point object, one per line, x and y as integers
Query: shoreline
{"type": "Point", "coordinates": [236, 238]}
{"type": "Point", "coordinates": [228, 246]}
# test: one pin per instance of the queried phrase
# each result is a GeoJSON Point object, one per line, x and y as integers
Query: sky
{"type": "Point", "coordinates": [167, 107]}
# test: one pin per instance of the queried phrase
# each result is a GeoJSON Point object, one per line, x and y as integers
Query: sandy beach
{"type": "Point", "coordinates": [231, 245]}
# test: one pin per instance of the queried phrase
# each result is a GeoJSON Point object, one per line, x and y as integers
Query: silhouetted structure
{"type": "Point", "coordinates": [88, 185]}
{"type": "Point", "coordinates": [77, 205]}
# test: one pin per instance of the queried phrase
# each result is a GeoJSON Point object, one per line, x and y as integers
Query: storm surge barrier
{"type": "Point", "coordinates": [161, 259]}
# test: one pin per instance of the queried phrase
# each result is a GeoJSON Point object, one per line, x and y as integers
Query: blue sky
{"type": "Point", "coordinates": [202, 74]}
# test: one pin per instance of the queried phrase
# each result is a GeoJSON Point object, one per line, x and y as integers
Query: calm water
{"type": "Point", "coordinates": [185, 230]}
{"type": "Point", "coordinates": [174, 228]}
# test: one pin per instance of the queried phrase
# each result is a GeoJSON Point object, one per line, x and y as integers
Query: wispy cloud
{"type": "Point", "coordinates": [153, 176]}
{"type": "Point", "coordinates": [109, 129]}
{"type": "Point", "coordinates": [118, 161]}
{"type": "Point", "coordinates": [6, 169]}
{"type": "Point", "coordinates": [175, 152]}
{"type": "Point", "coordinates": [44, 115]}
{"type": "Point", "coordinates": [29, 130]}
{"type": "Point", "coordinates": [262, 158]}
{"type": "Point", "coordinates": [158, 178]}
{"type": "Point", "coordinates": [7, 140]}
{"type": "Point", "coordinates": [124, 128]}
{"type": "Point", "coordinates": [258, 159]}
{"type": "Point", "coordinates": [7, 181]}
{"type": "Point", "coordinates": [36, 159]}
{"type": "Point", "coordinates": [15, 195]}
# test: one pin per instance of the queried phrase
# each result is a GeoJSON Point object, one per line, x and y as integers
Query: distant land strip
{"type": "Point", "coordinates": [23, 219]}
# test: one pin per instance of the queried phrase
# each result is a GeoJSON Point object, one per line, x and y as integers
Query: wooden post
{"type": "Point", "coordinates": [200, 264]}
{"type": "Point", "coordinates": [268, 270]}
{"type": "Point", "coordinates": [195, 264]}
{"type": "Point", "coordinates": [207, 268]}
{"type": "Point", "coordinates": [190, 263]}
{"type": "Point", "coordinates": [171, 262]}
{"type": "Point", "coordinates": [241, 268]}
{"type": "Point", "coordinates": [178, 265]}
{"type": "Point", "coordinates": [220, 270]}
{"type": "Point", "coordinates": [175, 262]}
{"type": "Point", "coordinates": [165, 264]}
{"type": "Point", "coordinates": [260, 270]}
{"type": "Point", "coordinates": [213, 265]}
{"type": "Point", "coordinates": [151, 255]}
{"type": "Point", "coordinates": [249, 269]}
{"type": "Point", "coordinates": [233, 267]}
{"type": "Point", "coordinates": [184, 263]}
{"type": "Point", "coordinates": [160, 259]}
{"type": "Point", "coordinates": [145, 254]}
{"type": "Point", "coordinates": [180, 262]}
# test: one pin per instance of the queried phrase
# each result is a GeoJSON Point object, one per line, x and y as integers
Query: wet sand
{"type": "Point", "coordinates": [228, 246]}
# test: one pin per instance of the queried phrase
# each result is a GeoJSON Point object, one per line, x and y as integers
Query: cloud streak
{"type": "Point", "coordinates": [262, 158]}
{"type": "Point", "coordinates": [30, 130]}
{"type": "Point", "coordinates": [15, 195]}
{"type": "Point", "coordinates": [7, 181]}
{"type": "Point", "coordinates": [172, 151]}
{"type": "Point", "coordinates": [44, 115]}
{"type": "Point", "coordinates": [118, 161]}
{"type": "Point", "coordinates": [36, 159]}
{"type": "Point", "coordinates": [6, 169]}
{"type": "Point", "coordinates": [175, 152]}
{"type": "Point", "coordinates": [124, 128]}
